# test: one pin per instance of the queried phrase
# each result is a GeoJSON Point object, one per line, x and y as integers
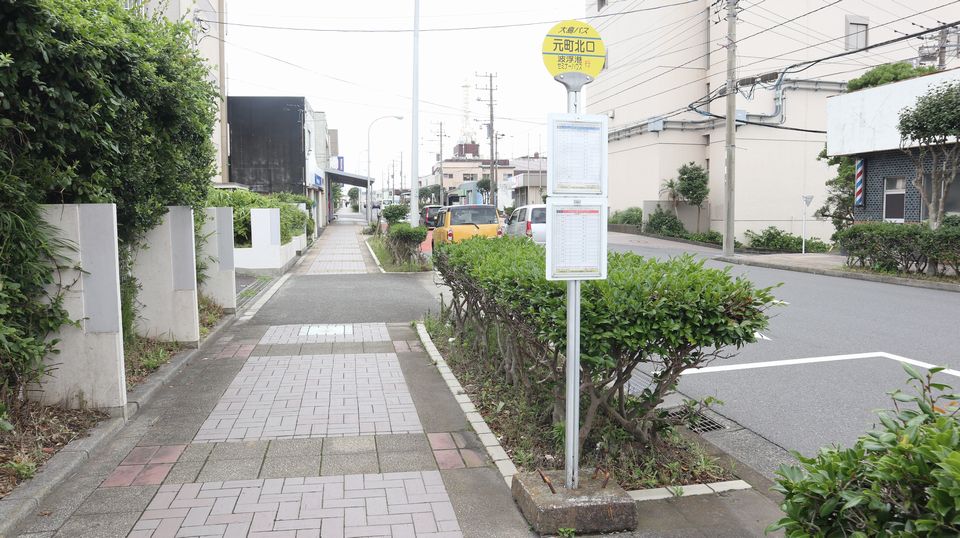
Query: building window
{"type": "Point", "coordinates": [894, 194]}
{"type": "Point", "coordinates": [486, 176]}
{"type": "Point", "coordinates": [856, 32]}
{"type": "Point", "coordinates": [601, 4]}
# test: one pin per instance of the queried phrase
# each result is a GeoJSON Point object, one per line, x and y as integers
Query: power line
{"type": "Point", "coordinates": [904, 38]}
{"type": "Point", "coordinates": [454, 29]}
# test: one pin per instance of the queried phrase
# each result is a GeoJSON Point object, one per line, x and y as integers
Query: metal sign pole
{"type": "Point", "coordinates": [572, 430]}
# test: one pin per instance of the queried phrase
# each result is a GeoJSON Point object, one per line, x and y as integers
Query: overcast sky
{"type": "Point", "coordinates": [357, 77]}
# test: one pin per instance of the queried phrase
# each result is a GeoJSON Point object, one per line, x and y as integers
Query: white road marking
{"type": "Point", "coordinates": [812, 360]}
{"type": "Point", "coordinates": [761, 336]}
{"type": "Point", "coordinates": [252, 311]}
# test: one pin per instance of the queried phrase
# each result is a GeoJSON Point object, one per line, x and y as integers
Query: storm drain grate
{"type": "Point", "coordinates": [698, 423]}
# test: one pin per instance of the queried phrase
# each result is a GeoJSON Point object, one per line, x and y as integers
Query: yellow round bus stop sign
{"type": "Point", "coordinates": [574, 47]}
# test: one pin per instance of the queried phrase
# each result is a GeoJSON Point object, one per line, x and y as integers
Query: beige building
{"type": "Point", "coordinates": [663, 62]}
{"type": "Point", "coordinates": [209, 41]}
{"type": "Point", "coordinates": [466, 166]}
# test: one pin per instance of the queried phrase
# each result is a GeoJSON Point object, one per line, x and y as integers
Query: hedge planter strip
{"type": "Point", "coordinates": [506, 466]}
{"type": "Point", "coordinates": [671, 315]}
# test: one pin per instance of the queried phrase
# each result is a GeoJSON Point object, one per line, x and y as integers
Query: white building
{"type": "Point", "coordinates": [663, 61]}
{"type": "Point", "coordinates": [209, 39]}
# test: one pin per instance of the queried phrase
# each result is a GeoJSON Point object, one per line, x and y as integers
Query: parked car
{"type": "Point", "coordinates": [528, 221]}
{"type": "Point", "coordinates": [459, 222]}
{"type": "Point", "coordinates": [427, 214]}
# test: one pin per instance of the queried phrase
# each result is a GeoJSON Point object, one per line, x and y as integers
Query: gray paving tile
{"type": "Point", "coordinates": [350, 445]}
{"type": "Point", "coordinates": [114, 525]}
{"type": "Point", "coordinates": [378, 347]}
{"type": "Point", "coordinates": [345, 464]}
{"type": "Point", "coordinates": [196, 452]}
{"type": "Point", "coordinates": [183, 472]}
{"type": "Point", "coordinates": [407, 461]}
{"type": "Point", "coordinates": [220, 470]}
{"type": "Point", "coordinates": [346, 347]}
{"type": "Point", "coordinates": [317, 349]}
{"type": "Point", "coordinates": [237, 450]}
{"type": "Point", "coordinates": [290, 467]}
{"type": "Point", "coordinates": [110, 500]}
{"type": "Point", "coordinates": [295, 448]}
{"type": "Point", "coordinates": [402, 442]}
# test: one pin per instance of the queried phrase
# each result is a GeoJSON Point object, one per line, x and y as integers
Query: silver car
{"type": "Point", "coordinates": [529, 221]}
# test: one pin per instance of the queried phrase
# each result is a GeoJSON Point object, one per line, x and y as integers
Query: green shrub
{"type": "Point", "coordinates": [395, 213]}
{"type": "Point", "coordinates": [901, 248]}
{"type": "Point", "coordinates": [630, 215]}
{"type": "Point", "coordinates": [775, 239]}
{"type": "Point", "coordinates": [292, 220]}
{"type": "Point", "coordinates": [665, 223]}
{"type": "Point", "coordinates": [404, 242]}
{"type": "Point", "coordinates": [950, 221]}
{"type": "Point", "coordinates": [901, 480]}
{"type": "Point", "coordinates": [671, 315]}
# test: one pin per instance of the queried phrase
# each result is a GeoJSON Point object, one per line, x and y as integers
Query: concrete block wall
{"type": "Point", "coordinates": [220, 284]}
{"type": "Point", "coordinates": [89, 370]}
{"type": "Point", "coordinates": [167, 271]}
{"type": "Point", "coordinates": [266, 255]}
{"type": "Point", "coordinates": [878, 167]}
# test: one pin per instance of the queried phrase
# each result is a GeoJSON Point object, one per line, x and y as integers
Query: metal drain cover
{"type": "Point", "coordinates": [698, 423]}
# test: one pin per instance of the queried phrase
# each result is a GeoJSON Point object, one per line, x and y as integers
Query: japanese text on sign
{"type": "Point", "coordinates": [573, 46]}
{"type": "Point", "coordinates": [576, 239]}
{"type": "Point", "coordinates": [579, 146]}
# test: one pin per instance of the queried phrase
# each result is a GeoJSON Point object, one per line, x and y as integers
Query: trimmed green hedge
{"type": "Point", "coordinates": [292, 220]}
{"type": "Point", "coordinates": [670, 315]}
{"type": "Point", "coordinates": [404, 242]}
{"type": "Point", "coordinates": [630, 215]}
{"type": "Point", "coordinates": [902, 248]}
{"type": "Point", "coordinates": [774, 238]}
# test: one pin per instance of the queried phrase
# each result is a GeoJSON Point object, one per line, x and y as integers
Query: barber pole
{"type": "Point", "coordinates": [858, 198]}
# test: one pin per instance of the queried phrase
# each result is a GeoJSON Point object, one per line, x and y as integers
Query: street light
{"type": "Point", "coordinates": [369, 219]}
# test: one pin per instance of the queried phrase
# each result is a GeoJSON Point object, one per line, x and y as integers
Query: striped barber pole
{"type": "Point", "coordinates": [858, 198]}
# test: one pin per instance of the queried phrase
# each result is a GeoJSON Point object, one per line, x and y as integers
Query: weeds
{"type": "Point", "coordinates": [144, 355]}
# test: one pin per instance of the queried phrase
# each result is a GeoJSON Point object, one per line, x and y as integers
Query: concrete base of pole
{"type": "Point", "coordinates": [588, 509]}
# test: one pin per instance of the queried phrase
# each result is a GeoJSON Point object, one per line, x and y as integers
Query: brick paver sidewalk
{"type": "Point", "coordinates": [293, 430]}
{"type": "Point", "coordinates": [339, 250]}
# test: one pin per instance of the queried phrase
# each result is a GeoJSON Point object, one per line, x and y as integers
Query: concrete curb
{"type": "Point", "coordinates": [373, 254]}
{"type": "Point", "coordinates": [26, 498]}
{"type": "Point", "coordinates": [507, 468]}
{"type": "Point", "coordinates": [885, 279]}
{"type": "Point", "coordinates": [496, 452]}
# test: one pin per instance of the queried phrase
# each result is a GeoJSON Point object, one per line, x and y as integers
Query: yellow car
{"type": "Point", "coordinates": [458, 222]}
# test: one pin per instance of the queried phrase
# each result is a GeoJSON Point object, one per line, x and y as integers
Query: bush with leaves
{"type": "Point", "coordinates": [669, 315]}
{"type": "Point", "coordinates": [630, 215]}
{"type": "Point", "coordinates": [775, 239]}
{"type": "Point", "coordinates": [395, 213]}
{"type": "Point", "coordinates": [292, 220]}
{"type": "Point", "coordinates": [101, 104]}
{"type": "Point", "coordinates": [693, 184]}
{"type": "Point", "coordinates": [404, 242]}
{"type": "Point", "coordinates": [905, 248]}
{"type": "Point", "coordinates": [664, 223]}
{"type": "Point", "coordinates": [951, 221]}
{"type": "Point", "coordinates": [903, 479]}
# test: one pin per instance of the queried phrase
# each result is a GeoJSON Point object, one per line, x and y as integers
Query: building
{"type": "Point", "coordinates": [207, 15]}
{"type": "Point", "coordinates": [863, 125]}
{"type": "Point", "coordinates": [530, 180]}
{"type": "Point", "coordinates": [663, 92]}
{"type": "Point", "coordinates": [466, 166]}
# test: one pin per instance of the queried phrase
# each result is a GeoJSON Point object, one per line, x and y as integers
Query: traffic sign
{"type": "Point", "coordinates": [574, 47]}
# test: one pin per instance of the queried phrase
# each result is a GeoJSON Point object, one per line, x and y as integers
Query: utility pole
{"type": "Point", "coordinates": [731, 125]}
{"type": "Point", "coordinates": [443, 190]}
{"type": "Point", "coordinates": [415, 136]}
{"type": "Point", "coordinates": [493, 136]}
{"type": "Point", "coordinates": [942, 51]}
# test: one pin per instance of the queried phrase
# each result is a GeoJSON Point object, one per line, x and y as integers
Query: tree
{"type": "Point", "coordinates": [336, 193]}
{"type": "Point", "coordinates": [884, 74]}
{"type": "Point", "coordinates": [484, 187]}
{"type": "Point", "coordinates": [354, 195]}
{"type": "Point", "coordinates": [930, 136]}
{"type": "Point", "coordinates": [431, 194]}
{"type": "Point", "coordinates": [671, 188]}
{"type": "Point", "coordinates": [693, 184]}
{"type": "Point", "coordinates": [838, 206]}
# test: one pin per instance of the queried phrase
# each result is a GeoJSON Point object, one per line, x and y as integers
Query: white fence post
{"type": "Point", "coordinates": [166, 269]}
{"type": "Point", "coordinates": [88, 371]}
{"type": "Point", "coordinates": [221, 283]}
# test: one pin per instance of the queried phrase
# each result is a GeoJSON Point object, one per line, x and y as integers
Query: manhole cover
{"type": "Point", "coordinates": [697, 422]}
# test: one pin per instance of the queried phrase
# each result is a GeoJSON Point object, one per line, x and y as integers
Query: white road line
{"type": "Point", "coordinates": [761, 336]}
{"type": "Point", "coordinates": [812, 360]}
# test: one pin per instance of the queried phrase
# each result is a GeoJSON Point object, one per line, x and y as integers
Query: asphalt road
{"type": "Point", "coordinates": [806, 406]}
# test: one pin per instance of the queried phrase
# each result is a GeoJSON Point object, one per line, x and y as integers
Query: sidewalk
{"type": "Point", "coordinates": [320, 414]}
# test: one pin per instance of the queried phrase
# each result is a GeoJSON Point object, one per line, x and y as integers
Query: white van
{"type": "Point", "coordinates": [529, 221]}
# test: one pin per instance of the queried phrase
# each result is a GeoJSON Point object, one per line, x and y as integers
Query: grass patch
{"type": "Point", "coordinates": [38, 433]}
{"type": "Point", "coordinates": [522, 424]}
{"type": "Point", "coordinates": [386, 260]}
{"type": "Point", "coordinates": [210, 314]}
{"type": "Point", "coordinates": [142, 356]}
